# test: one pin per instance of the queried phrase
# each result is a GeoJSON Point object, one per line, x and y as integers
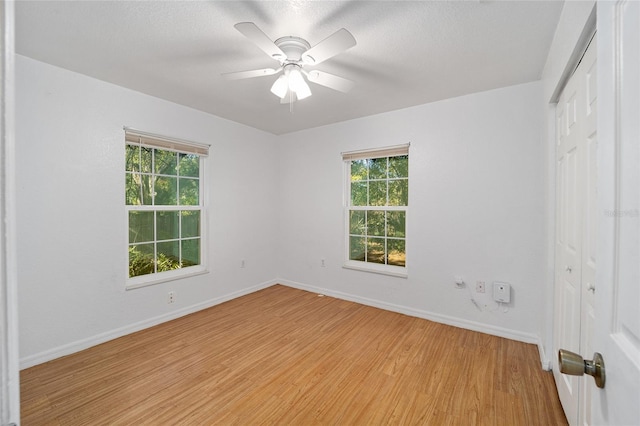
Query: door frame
{"type": "Point", "coordinates": [9, 363]}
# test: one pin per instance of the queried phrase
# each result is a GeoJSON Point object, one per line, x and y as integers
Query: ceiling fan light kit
{"type": "Point", "coordinates": [294, 53]}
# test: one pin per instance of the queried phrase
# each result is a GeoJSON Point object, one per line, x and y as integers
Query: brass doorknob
{"type": "Point", "coordinates": [574, 365]}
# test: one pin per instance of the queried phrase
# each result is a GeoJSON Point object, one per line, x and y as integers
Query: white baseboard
{"type": "Point", "coordinates": [544, 360]}
{"type": "Point", "coordinates": [80, 345]}
{"type": "Point", "coordinates": [418, 313]}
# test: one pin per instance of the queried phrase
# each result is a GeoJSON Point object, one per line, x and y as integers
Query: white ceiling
{"type": "Point", "coordinates": [408, 52]}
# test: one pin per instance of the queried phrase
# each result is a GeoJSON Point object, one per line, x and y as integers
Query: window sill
{"type": "Point", "coordinates": [394, 271]}
{"type": "Point", "coordinates": [145, 281]}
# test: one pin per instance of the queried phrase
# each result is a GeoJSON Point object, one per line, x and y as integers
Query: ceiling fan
{"type": "Point", "coordinates": [294, 53]}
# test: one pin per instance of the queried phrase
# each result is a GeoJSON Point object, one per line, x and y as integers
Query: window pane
{"type": "Point", "coordinates": [396, 224]}
{"type": "Point", "coordinates": [138, 189]}
{"type": "Point", "coordinates": [191, 252]}
{"type": "Point", "coordinates": [166, 162]}
{"type": "Point", "coordinates": [146, 190]}
{"type": "Point", "coordinates": [357, 222]}
{"type": "Point", "coordinates": [132, 163]}
{"type": "Point", "coordinates": [375, 223]}
{"type": "Point", "coordinates": [168, 256]}
{"type": "Point", "coordinates": [397, 252]}
{"type": "Point", "coordinates": [399, 166]}
{"type": "Point", "coordinates": [165, 191]}
{"type": "Point", "coordinates": [168, 225]}
{"type": "Point", "coordinates": [189, 192]}
{"type": "Point", "coordinates": [378, 168]}
{"type": "Point", "coordinates": [359, 193]}
{"type": "Point", "coordinates": [189, 165]}
{"type": "Point", "coordinates": [377, 235]}
{"type": "Point", "coordinates": [145, 159]}
{"type": "Point", "coordinates": [398, 192]}
{"type": "Point", "coordinates": [141, 260]}
{"type": "Point", "coordinates": [359, 170]}
{"type": "Point", "coordinates": [378, 193]}
{"type": "Point", "coordinates": [171, 237]}
{"type": "Point", "coordinates": [140, 226]}
{"type": "Point", "coordinates": [132, 189]}
{"type": "Point", "coordinates": [356, 248]}
{"type": "Point", "coordinates": [375, 250]}
{"type": "Point", "coordinates": [190, 223]}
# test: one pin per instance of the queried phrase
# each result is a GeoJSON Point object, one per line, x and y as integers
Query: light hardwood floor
{"type": "Point", "coordinates": [286, 356]}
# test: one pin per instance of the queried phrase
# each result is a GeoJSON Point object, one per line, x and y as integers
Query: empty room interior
{"type": "Point", "coordinates": [320, 212]}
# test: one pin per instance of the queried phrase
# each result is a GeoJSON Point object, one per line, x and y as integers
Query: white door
{"type": "Point", "coordinates": [617, 303]}
{"type": "Point", "coordinates": [567, 297]}
{"type": "Point", "coordinates": [589, 161]}
{"type": "Point", "coordinates": [576, 143]}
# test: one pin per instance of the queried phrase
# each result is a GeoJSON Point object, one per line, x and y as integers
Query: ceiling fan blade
{"type": "Point", "coordinates": [255, 34]}
{"type": "Point", "coordinates": [329, 80]}
{"type": "Point", "coordinates": [250, 74]}
{"type": "Point", "coordinates": [336, 43]}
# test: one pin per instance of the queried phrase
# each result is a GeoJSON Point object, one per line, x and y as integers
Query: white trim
{"type": "Point", "coordinates": [83, 344]}
{"type": "Point", "coordinates": [377, 268]}
{"type": "Point", "coordinates": [163, 277]}
{"type": "Point", "coordinates": [9, 369]}
{"type": "Point", "coordinates": [419, 313]}
{"type": "Point", "coordinates": [545, 362]}
{"type": "Point", "coordinates": [586, 36]}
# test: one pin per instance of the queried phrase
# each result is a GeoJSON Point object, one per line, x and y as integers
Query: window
{"type": "Point", "coordinates": [164, 206]}
{"type": "Point", "coordinates": [376, 214]}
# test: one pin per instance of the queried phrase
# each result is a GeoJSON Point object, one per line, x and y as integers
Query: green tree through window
{"type": "Point", "coordinates": [163, 202]}
{"type": "Point", "coordinates": [378, 200]}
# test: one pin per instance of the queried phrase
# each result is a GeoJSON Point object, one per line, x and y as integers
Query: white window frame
{"type": "Point", "coordinates": [151, 140]}
{"type": "Point", "coordinates": [347, 158]}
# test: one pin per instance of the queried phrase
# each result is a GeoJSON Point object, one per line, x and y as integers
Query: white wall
{"type": "Point", "coordinates": [70, 209]}
{"type": "Point", "coordinates": [477, 209]}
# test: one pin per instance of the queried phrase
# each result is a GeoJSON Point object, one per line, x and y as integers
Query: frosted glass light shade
{"type": "Point", "coordinates": [292, 80]}
{"type": "Point", "coordinates": [298, 85]}
{"type": "Point", "coordinates": [280, 86]}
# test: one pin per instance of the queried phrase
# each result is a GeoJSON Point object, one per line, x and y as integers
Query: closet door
{"type": "Point", "coordinates": [589, 225]}
{"type": "Point", "coordinates": [568, 223]}
{"type": "Point", "coordinates": [575, 228]}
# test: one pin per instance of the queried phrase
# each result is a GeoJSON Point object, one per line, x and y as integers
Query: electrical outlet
{"type": "Point", "coordinates": [480, 285]}
{"type": "Point", "coordinates": [171, 297]}
{"type": "Point", "coordinates": [322, 264]}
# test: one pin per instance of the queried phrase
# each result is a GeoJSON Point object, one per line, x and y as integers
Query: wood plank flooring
{"type": "Point", "coordinates": [285, 356]}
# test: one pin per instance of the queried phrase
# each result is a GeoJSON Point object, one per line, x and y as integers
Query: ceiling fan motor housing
{"type": "Point", "coordinates": [293, 47]}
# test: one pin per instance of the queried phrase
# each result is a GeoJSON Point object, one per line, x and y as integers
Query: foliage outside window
{"type": "Point", "coordinates": [164, 209]}
{"type": "Point", "coordinates": [377, 212]}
